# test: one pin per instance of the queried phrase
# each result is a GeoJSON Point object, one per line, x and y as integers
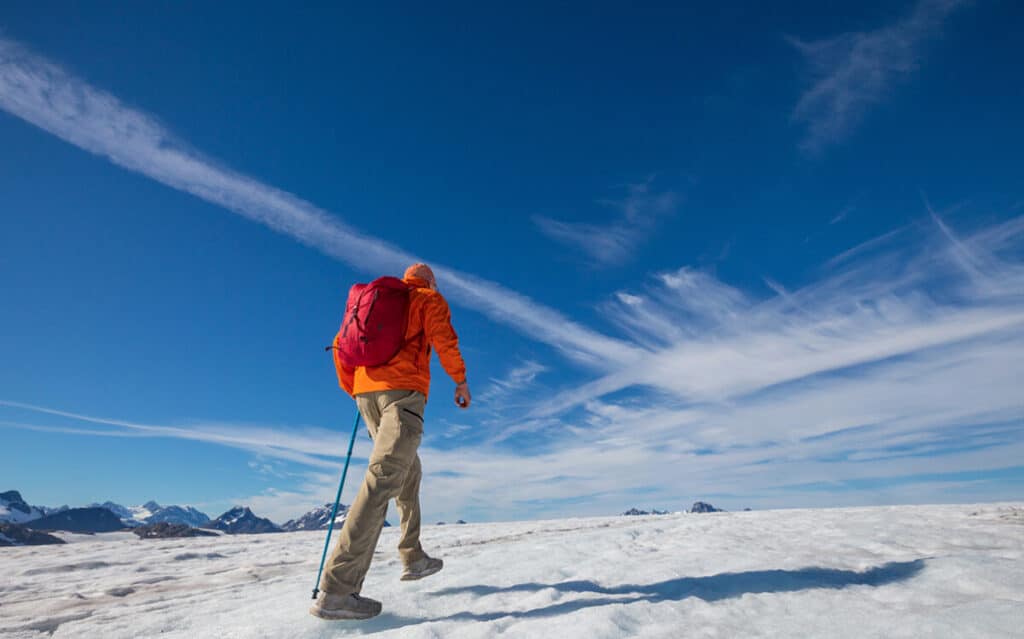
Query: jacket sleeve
{"type": "Point", "coordinates": [437, 325]}
{"type": "Point", "coordinates": [346, 374]}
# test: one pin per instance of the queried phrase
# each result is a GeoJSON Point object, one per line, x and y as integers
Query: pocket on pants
{"type": "Point", "coordinates": [406, 414]}
{"type": "Point", "coordinates": [386, 471]}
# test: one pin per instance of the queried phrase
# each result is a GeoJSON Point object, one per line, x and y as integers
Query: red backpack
{"type": "Point", "coordinates": [376, 317]}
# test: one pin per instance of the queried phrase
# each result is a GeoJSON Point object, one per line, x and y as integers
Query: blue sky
{"type": "Point", "coordinates": [767, 258]}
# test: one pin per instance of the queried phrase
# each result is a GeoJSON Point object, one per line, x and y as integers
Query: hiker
{"type": "Point", "coordinates": [391, 398]}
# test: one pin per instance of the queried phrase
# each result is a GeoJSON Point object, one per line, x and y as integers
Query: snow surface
{"type": "Point", "coordinates": [911, 571]}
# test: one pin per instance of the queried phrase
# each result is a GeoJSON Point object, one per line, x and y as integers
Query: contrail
{"type": "Point", "coordinates": [44, 94]}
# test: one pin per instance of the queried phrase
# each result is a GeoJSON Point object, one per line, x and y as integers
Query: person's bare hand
{"type": "Point", "coordinates": [462, 396]}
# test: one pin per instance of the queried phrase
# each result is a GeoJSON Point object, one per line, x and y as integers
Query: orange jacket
{"type": "Point", "coordinates": [430, 324]}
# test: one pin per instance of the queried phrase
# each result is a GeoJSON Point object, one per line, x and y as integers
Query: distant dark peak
{"type": "Point", "coordinates": [151, 506]}
{"type": "Point", "coordinates": [86, 520]}
{"type": "Point", "coordinates": [117, 509]}
{"type": "Point", "coordinates": [241, 520]}
{"type": "Point", "coordinates": [14, 500]}
{"type": "Point", "coordinates": [704, 507]}
{"type": "Point", "coordinates": [12, 495]}
{"type": "Point", "coordinates": [637, 511]}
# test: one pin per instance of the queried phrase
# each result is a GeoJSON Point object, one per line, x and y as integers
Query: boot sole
{"type": "Point", "coordinates": [341, 615]}
{"type": "Point", "coordinates": [414, 576]}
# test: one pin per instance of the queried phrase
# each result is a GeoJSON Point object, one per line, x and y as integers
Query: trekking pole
{"type": "Point", "coordinates": [337, 500]}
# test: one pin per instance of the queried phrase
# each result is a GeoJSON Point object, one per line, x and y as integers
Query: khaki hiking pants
{"type": "Point", "coordinates": [395, 422]}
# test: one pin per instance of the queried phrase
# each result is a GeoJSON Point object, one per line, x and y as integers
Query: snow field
{"type": "Point", "coordinates": [914, 571]}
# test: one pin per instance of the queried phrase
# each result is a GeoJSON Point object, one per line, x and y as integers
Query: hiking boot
{"type": "Point", "coordinates": [422, 568]}
{"type": "Point", "coordinates": [333, 607]}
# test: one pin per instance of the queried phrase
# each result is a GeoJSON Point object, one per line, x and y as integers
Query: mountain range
{"type": "Point", "coordinates": [698, 507]}
{"type": "Point", "coordinates": [109, 516]}
{"type": "Point", "coordinates": [15, 510]}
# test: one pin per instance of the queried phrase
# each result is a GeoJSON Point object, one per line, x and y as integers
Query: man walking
{"type": "Point", "coordinates": [391, 398]}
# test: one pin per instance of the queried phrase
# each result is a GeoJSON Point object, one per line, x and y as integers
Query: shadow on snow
{"type": "Point", "coordinates": [710, 588]}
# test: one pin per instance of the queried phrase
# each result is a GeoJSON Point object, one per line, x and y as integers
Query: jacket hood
{"type": "Point", "coordinates": [420, 273]}
{"type": "Point", "coordinates": [418, 282]}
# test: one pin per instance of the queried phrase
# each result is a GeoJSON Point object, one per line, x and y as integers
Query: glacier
{"type": "Point", "coordinates": [899, 571]}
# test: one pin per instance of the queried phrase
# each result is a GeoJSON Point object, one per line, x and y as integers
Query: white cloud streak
{"type": "Point", "coordinates": [307, 446]}
{"type": "Point", "coordinates": [854, 71]}
{"type": "Point", "coordinates": [48, 97]}
{"type": "Point", "coordinates": [638, 214]}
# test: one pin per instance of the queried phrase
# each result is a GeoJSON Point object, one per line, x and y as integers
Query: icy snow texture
{"type": "Point", "coordinates": [922, 571]}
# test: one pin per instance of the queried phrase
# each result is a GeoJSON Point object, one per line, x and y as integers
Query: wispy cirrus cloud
{"type": "Point", "coordinates": [719, 344]}
{"type": "Point", "coordinates": [854, 71]}
{"type": "Point", "coordinates": [897, 367]}
{"type": "Point", "coordinates": [637, 216]}
{"type": "Point", "coordinates": [889, 377]}
{"type": "Point", "coordinates": [47, 96]}
{"type": "Point", "coordinates": [515, 380]}
{"type": "Point", "coordinates": [842, 214]}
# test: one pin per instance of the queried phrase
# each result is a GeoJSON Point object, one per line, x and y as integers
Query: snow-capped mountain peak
{"type": "Point", "coordinates": [318, 519]}
{"type": "Point", "coordinates": [15, 510]}
{"type": "Point", "coordinates": [125, 514]}
{"type": "Point", "coordinates": [235, 514]}
{"type": "Point", "coordinates": [152, 513]}
{"type": "Point", "coordinates": [241, 520]}
{"type": "Point", "coordinates": [178, 515]}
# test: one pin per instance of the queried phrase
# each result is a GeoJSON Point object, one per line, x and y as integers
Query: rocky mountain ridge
{"type": "Point", "coordinates": [18, 535]}
{"type": "Point", "coordinates": [80, 520]}
{"type": "Point", "coordinates": [240, 520]}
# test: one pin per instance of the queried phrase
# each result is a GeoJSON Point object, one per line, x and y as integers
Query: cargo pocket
{"type": "Point", "coordinates": [388, 476]}
{"type": "Point", "coordinates": [408, 412]}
